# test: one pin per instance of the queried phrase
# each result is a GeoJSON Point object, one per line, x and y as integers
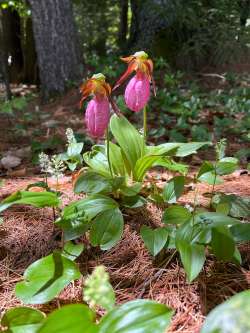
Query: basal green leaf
{"type": "Point", "coordinates": [141, 316]}
{"type": "Point", "coordinates": [189, 148]}
{"type": "Point", "coordinates": [97, 161]}
{"type": "Point", "coordinates": [22, 320]}
{"type": "Point", "coordinates": [131, 190]}
{"type": "Point", "coordinates": [45, 278]}
{"type": "Point", "coordinates": [164, 149]}
{"type": "Point", "coordinates": [74, 318]}
{"type": "Point", "coordinates": [128, 138]}
{"type": "Point", "coordinates": [37, 199]}
{"type": "Point", "coordinates": [142, 165]}
{"type": "Point", "coordinates": [231, 316]}
{"type": "Point", "coordinates": [117, 160]}
{"type": "Point", "coordinates": [92, 183]}
{"type": "Point", "coordinates": [107, 229]}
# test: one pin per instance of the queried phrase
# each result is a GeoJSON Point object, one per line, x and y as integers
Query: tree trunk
{"type": "Point", "coordinates": [123, 28]}
{"type": "Point", "coordinates": [4, 59]}
{"type": "Point", "coordinates": [30, 70]}
{"type": "Point", "coordinates": [13, 47]}
{"type": "Point", "coordinates": [56, 45]}
{"type": "Point", "coordinates": [149, 18]}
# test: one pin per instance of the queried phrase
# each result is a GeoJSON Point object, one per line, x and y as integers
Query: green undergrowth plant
{"type": "Point", "coordinates": [113, 181]}
{"type": "Point", "coordinates": [135, 316]}
{"type": "Point", "coordinates": [193, 231]}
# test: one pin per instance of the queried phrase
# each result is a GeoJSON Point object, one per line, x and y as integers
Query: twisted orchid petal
{"type": "Point", "coordinates": [97, 116]}
{"type": "Point", "coordinates": [137, 92]}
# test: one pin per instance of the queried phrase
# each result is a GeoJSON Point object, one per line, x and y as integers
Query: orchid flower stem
{"type": "Point", "coordinates": [108, 152]}
{"type": "Point", "coordinates": [145, 124]}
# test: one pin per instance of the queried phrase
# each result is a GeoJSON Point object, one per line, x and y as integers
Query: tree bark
{"type": "Point", "coordinates": [4, 59]}
{"type": "Point", "coordinates": [13, 46]}
{"type": "Point", "coordinates": [149, 17]}
{"type": "Point", "coordinates": [56, 45]}
{"type": "Point", "coordinates": [123, 28]}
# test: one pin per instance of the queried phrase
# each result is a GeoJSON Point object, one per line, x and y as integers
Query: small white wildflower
{"type": "Point", "coordinates": [44, 162]}
{"type": "Point", "coordinates": [190, 208]}
{"type": "Point", "coordinates": [57, 167]}
{"type": "Point", "coordinates": [70, 136]}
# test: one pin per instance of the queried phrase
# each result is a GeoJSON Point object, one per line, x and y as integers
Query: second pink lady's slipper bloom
{"type": "Point", "coordinates": [98, 109]}
{"type": "Point", "coordinates": [137, 92]}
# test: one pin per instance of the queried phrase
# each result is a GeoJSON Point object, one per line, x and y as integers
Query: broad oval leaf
{"type": "Point", "coordinates": [107, 229]}
{"type": "Point", "coordinates": [74, 318]}
{"type": "Point", "coordinates": [97, 161]}
{"type": "Point", "coordinates": [206, 167]}
{"type": "Point", "coordinates": [22, 320]}
{"type": "Point", "coordinates": [134, 201]}
{"type": "Point", "coordinates": [75, 217]}
{"type": "Point", "coordinates": [230, 316]}
{"type": "Point", "coordinates": [173, 189]}
{"type": "Point", "coordinates": [189, 148]}
{"type": "Point", "coordinates": [212, 219]}
{"type": "Point", "coordinates": [92, 205]}
{"type": "Point", "coordinates": [154, 239]}
{"type": "Point", "coordinates": [37, 199]}
{"type": "Point", "coordinates": [45, 278]}
{"type": "Point", "coordinates": [72, 251]}
{"type": "Point", "coordinates": [74, 149]}
{"type": "Point", "coordinates": [128, 138]}
{"type": "Point", "coordinates": [176, 215]}
{"type": "Point", "coordinates": [222, 243]}
{"type": "Point", "coordinates": [140, 316]}
{"type": "Point", "coordinates": [192, 258]}
{"type": "Point", "coordinates": [226, 165]}
{"type": "Point", "coordinates": [241, 232]}
{"type": "Point", "coordinates": [92, 183]}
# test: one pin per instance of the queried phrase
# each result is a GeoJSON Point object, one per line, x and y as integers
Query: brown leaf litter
{"type": "Point", "coordinates": [28, 234]}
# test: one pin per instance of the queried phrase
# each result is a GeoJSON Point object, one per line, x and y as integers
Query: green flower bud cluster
{"type": "Point", "coordinates": [98, 290]}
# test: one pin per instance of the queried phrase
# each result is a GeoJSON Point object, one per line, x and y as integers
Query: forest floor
{"type": "Point", "coordinates": [28, 233]}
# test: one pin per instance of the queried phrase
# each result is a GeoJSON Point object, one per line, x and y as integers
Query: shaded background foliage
{"type": "Point", "coordinates": [188, 34]}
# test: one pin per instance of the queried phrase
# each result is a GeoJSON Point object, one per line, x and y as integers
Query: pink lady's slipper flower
{"type": "Point", "coordinates": [98, 110]}
{"type": "Point", "coordinates": [137, 92]}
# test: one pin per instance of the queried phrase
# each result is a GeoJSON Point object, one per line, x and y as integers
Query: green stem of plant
{"type": "Point", "coordinates": [145, 124]}
{"type": "Point", "coordinates": [215, 175]}
{"type": "Point", "coordinates": [108, 152]}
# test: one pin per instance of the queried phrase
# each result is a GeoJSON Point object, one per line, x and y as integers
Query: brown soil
{"type": "Point", "coordinates": [28, 234]}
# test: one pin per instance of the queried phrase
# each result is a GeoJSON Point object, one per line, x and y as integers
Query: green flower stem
{"type": "Point", "coordinates": [108, 152]}
{"type": "Point", "coordinates": [145, 124]}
